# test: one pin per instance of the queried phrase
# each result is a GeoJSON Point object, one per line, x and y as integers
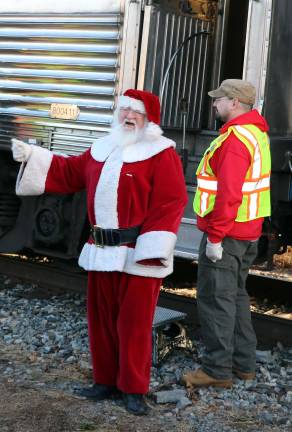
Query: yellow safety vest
{"type": "Point", "coordinates": [256, 201]}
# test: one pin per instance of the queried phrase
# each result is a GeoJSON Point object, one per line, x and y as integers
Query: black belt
{"type": "Point", "coordinates": [113, 237]}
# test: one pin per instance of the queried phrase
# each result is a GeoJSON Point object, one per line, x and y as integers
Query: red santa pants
{"type": "Point", "coordinates": [120, 310]}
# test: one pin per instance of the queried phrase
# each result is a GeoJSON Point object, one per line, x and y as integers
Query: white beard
{"type": "Point", "coordinates": [124, 138]}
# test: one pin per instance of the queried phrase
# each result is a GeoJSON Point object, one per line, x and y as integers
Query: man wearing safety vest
{"type": "Point", "coordinates": [231, 201]}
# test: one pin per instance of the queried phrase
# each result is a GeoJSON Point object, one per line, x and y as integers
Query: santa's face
{"type": "Point", "coordinates": [131, 120]}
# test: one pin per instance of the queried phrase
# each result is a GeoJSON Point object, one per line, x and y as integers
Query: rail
{"type": "Point", "coordinates": [61, 276]}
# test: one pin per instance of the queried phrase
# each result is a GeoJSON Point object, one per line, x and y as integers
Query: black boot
{"type": "Point", "coordinates": [135, 404]}
{"type": "Point", "coordinates": [96, 392]}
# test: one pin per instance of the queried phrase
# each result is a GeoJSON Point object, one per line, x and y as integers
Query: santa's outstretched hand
{"type": "Point", "coordinates": [20, 150]}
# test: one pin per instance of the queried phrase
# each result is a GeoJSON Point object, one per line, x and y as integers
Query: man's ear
{"type": "Point", "coordinates": [235, 102]}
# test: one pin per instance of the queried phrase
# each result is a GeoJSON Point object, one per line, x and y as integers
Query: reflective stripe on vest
{"type": "Point", "coordinates": [249, 186]}
{"type": "Point", "coordinates": [256, 187]}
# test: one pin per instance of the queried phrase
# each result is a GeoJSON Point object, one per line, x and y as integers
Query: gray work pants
{"type": "Point", "coordinates": [224, 309]}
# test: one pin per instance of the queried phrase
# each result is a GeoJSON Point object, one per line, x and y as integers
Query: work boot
{"type": "Point", "coordinates": [135, 404]}
{"type": "Point", "coordinates": [246, 376]}
{"type": "Point", "coordinates": [199, 378]}
{"type": "Point", "coordinates": [96, 392]}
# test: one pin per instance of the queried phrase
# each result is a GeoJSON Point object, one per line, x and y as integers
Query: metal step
{"type": "Point", "coordinates": [167, 332]}
{"type": "Point", "coordinates": [188, 239]}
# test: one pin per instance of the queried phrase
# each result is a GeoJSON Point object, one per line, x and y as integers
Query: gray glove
{"type": "Point", "coordinates": [214, 251]}
{"type": "Point", "coordinates": [20, 150]}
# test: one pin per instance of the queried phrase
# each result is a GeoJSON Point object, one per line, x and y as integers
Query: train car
{"type": "Point", "coordinates": [63, 64]}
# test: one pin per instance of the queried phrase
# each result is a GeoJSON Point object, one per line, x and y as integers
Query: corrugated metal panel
{"type": "Point", "coordinates": [61, 6]}
{"type": "Point", "coordinates": [187, 75]}
{"type": "Point", "coordinates": [58, 59]}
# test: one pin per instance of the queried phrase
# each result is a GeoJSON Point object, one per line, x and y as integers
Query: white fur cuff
{"type": "Point", "coordinates": [31, 179]}
{"type": "Point", "coordinates": [155, 244]}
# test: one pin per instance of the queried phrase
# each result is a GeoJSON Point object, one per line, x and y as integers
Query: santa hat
{"type": "Point", "coordinates": [142, 101]}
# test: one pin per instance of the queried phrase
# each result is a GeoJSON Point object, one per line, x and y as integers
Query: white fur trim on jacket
{"type": "Point", "coordinates": [119, 258]}
{"type": "Point", "coordinates": [106, 193]}
{"type": "Point", "coordinates": [32, 175]}
{"type": "Point", "coordinates": [152, 143]}
{"type": "Point", "coordinates": [164, 242]}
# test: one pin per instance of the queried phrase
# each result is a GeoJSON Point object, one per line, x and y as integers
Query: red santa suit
{"type": "Point", "coordinates": [141, 184]}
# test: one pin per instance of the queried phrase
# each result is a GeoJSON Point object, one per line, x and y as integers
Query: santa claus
{"type": "Point", "coordinates": [135, 200]}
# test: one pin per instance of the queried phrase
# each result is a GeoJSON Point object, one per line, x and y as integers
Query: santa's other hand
{"type": "Point", "coordinates": [20, 150]}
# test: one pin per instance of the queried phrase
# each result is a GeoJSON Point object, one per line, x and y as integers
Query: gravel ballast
{"type": "Point", "coordinates": [51, 332]}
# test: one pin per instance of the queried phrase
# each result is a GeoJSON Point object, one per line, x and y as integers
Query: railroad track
{"type": "Point", "coordinates": [60, 277]}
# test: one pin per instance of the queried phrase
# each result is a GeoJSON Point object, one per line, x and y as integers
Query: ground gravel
{"type": "Point", "coordinates": [44, 355]}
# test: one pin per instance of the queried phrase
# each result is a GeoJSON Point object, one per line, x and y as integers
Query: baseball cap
{"type": "Point", "coordinates": [244, 91]}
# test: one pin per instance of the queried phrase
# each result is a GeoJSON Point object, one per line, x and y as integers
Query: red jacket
{"type": "Point", "coordinates": [140, 184]}
{"type": "Point", "coordinates": [230, 164]}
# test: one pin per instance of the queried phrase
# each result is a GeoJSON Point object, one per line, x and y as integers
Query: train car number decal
{"type": "Point", "coordinates": [64, 111]}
